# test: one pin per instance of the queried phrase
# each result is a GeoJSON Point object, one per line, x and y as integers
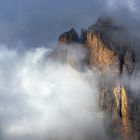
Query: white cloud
{"type": "Point", "coordinates": [46, 100]}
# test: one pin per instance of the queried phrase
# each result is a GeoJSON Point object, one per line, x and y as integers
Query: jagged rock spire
{"type": "Point", "coordinates": [69, 37]}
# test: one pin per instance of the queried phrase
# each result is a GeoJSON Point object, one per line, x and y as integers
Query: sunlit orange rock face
{"type": "Point", "coordinates": [99, 55]}
{"type": "Point", "coordinates": [121, 112]}
{"type": "Point", "coordinates": [108, 56]}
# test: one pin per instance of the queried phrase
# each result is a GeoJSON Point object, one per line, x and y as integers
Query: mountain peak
{"type": "Point", "coordinates": [108, 56]}
{"type": "Point", "coordinates": [70, 36]}
{"type": "Point", "coordinates": [105, 52]}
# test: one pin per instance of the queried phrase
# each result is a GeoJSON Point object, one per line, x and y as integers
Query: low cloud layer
{"type": "Point", "coordinates": [42, 99]}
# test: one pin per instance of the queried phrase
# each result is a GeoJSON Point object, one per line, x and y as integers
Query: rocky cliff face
{"type": "Point", "coordinates": [109, 57]}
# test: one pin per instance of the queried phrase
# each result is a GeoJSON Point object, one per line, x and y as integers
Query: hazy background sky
{"type": "Point", "coordinates": [37, 22]}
